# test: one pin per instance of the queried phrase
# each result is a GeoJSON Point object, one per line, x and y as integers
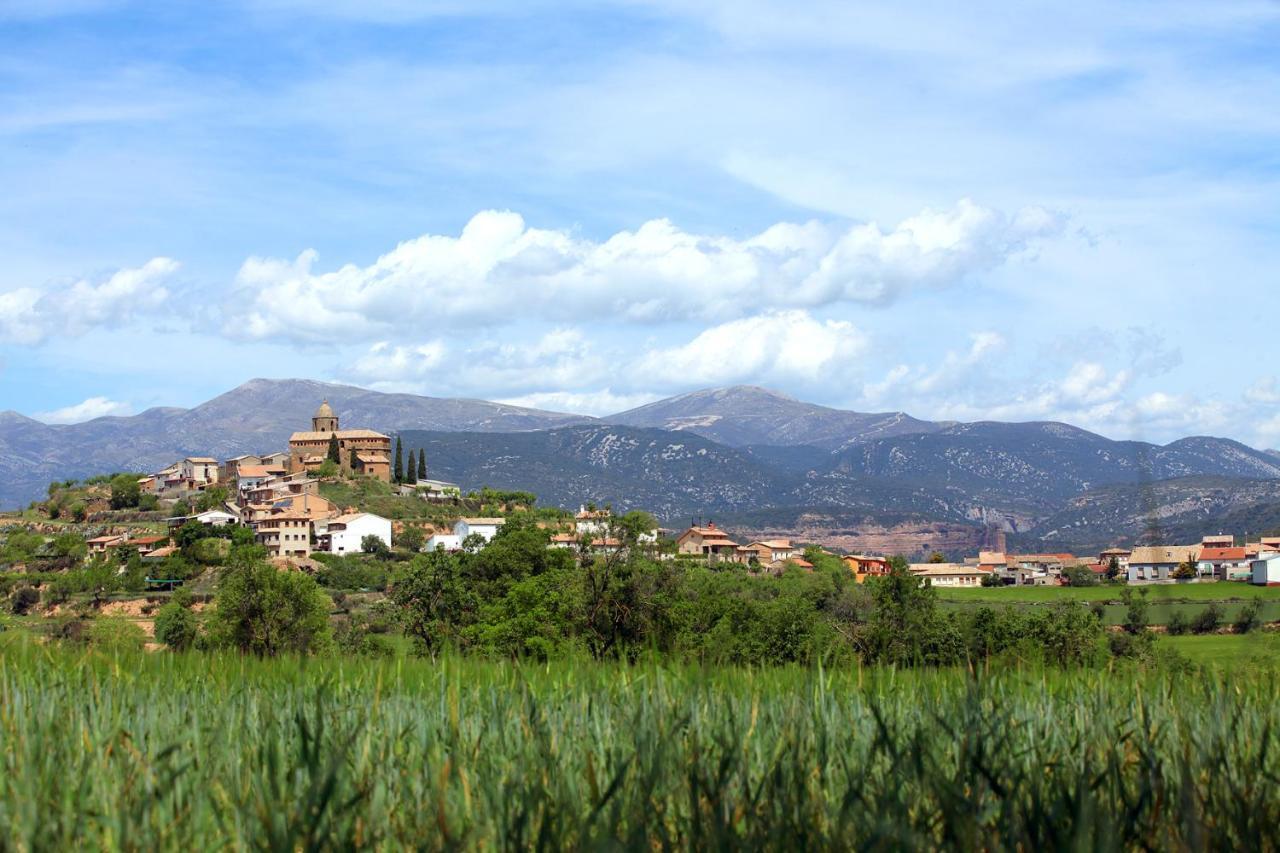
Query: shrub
{"type": "Point", "coordinates": [1206, 621]}
{"type": "Point", "coordinates": [1249, 618]}
{"type": "Point", "coordinates": [176, 626]}
{"type": "Point", "coordinates": [24, 598]}
{"type": "Point", "coordinates": [1177, 624]}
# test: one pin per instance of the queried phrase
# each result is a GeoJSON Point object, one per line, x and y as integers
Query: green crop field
{"type": "Point", "coordinates": [179, 751]}
{"type": "Point", "coordinates": [1192, 592]}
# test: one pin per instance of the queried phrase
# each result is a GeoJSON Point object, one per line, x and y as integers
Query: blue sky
{"type": "Point", "coordinates": [1013, 211]}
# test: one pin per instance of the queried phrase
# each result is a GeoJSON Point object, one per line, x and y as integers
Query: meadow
{"type": "Point", "coordinates": [200, 751]}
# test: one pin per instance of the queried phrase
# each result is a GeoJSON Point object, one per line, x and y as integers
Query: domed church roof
{"type": "Point", "coordinates": [324, 411]}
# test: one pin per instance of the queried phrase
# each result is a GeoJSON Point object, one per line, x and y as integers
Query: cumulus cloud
{"type": "Point", "coordinates": [1264, 392]}
{"type": "Point", "coordinates": [499, 268]}
{"type": "Point", "coordinates": [565, 369]}
{"type": "Point", "coordinates": [597, 403]}
{"type": "Point", "coordinates": [30, 315]}
{"type": "Point", "coordinates": [94, 407]}
{"type": "Point", "coordinates": [787, 348]}
{"type": "Point", "coordinates": [955, 369]}
{"type": "Point", "coordinates": [559, 359]}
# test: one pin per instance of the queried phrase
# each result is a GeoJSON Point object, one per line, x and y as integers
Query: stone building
{"type": "Point", "coordinates": [362, 450]}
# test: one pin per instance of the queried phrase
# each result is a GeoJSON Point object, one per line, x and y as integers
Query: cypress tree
{"type": "Point", "coordinates": [411, 470]}
{"type": "Point", "coordinates": [333, 449]}
{"type": "Point", "coordinates": [397, 473]}
{"type": "Point", "coordinates": [422, 464]}
{"type": "Point", "coordinates": [355, 463]}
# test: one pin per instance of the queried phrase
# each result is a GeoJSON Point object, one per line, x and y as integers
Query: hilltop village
{"type": "Point", "coordinates": [319, 496]}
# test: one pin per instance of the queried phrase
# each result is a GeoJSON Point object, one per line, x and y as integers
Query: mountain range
{"type": "Point", "coordinates": [756, 459]}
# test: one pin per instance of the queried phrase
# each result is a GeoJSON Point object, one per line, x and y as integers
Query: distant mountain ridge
{"type": "Point", "coordinates": [255, 417]}
{"type": "Point", "coordinates": [742, 452]}
{"type": "Point", "coordinates": [745, 415]}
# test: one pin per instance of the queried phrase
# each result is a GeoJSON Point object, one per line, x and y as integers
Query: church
{"type": "Point", "coordinates": [360, 450]}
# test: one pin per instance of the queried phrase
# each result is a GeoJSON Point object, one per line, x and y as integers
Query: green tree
{"type": "Point", "coordinates": [1113, 568]}
{"type": "Point", "coordinates": [373, 544]}
{"type": "Point", "coordinates": [422, 464]}
{"type": "Point", "coordinates": [411, 469]}
{"type": "Point", "coordinates": [69, 545]}
{"type": "Point", "coordinates": [1135, 610]}
{"type": "Point", "coordinates": [101, 579]}
{"type": "Point", "coordinates": [334, 455]}
{"type": "Point", "coordinates": [353, 463]}
{"type": "Point", "coordinates": [328, 469]}
{"type": "Point", "coordinates": [906, 627]}
{"type": "Point", "coordinates": [1079, 576]}
{"type": "Point", "coordinates": [1185, 569]}
{"type": "Point", "coordinates": [125, 491]}
{"type": "Point", "coordinates": [211, 498]}
{"type": "Point", "coordinates": [264, 611]}
{"type": "Point", "coordinates": [397, 472]}
{"type": "Point", "coordinates": [435, 603]}
{"type": "Point", "coordinates": [411, 538]}
{"type": "Point", "coordinates": [176, 625]}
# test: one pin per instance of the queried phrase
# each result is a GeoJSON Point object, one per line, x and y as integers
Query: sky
{"type": "Point", "coordinates": [1032, 211]}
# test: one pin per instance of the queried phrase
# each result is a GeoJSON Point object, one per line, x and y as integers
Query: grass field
{"type": "Point", "coordinates": [1192, 592]}
{"type": "Point", "coordinates": [198, 752]}
{"type": "Point", "coordinates": [1229, 651]}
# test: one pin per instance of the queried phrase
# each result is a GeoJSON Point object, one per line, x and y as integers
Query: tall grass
{"type": "Point", "coordinates": [201, 752]}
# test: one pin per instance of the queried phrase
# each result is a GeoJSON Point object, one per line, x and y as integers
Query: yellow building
{"type": "Point", "coordinates": [368, 451]}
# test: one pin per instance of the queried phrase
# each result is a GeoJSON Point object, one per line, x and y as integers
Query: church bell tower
{"type": "Point", "coordinates": [324, 420]}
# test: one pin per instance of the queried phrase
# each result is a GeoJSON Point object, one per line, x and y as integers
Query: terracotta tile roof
{"type": "Point", "coordinates": [341, 434]}
{"type": "Point", "coordinates": [1222, 554]}
{"type": "Point", "coordinates": [253, 471]}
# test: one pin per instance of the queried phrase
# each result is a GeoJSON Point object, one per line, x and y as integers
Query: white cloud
{"type": "Point", "coordinates": [500, 269]}
{"type": "Point", "coordinates": [1263, 392]}
{"type": "Point", "coordinates": [597, 403]}
{"type": "Point", "coordinates": [94, 407]}
{"type": "Point", "coordinates": [955, 370]}
{"type": "Point", "coordinates": [788, 348]}
{"type": "Point", "coordinates": [561, 359]}
{"type": "Point", "coordinates": [30, 315]}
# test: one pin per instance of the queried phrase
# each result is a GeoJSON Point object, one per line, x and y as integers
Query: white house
{"type": "Point", "coordinates": [447, 541]}
{"type": "Point", "coordinates": [485, 528]}
{"type": "Point", "coordinates": [598, 523]}
{"type": "Point", "coordinates": [436, 489]}
{"type": "Point", "coordinates": [345, 534]}
{"type": "Point", "coordinates": [199, 469]}
{"type": "Point", "coordinates": [1266, 570]}
{"type": "Point", "coordinates": [949, 574]}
